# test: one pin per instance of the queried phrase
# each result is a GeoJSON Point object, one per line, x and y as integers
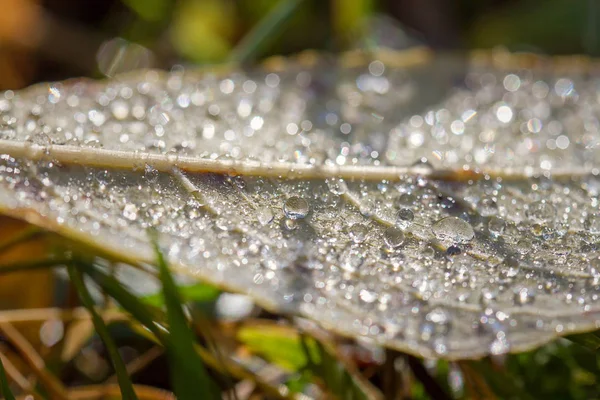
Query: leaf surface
{"type": "Point", "coordinates": [303, 185]}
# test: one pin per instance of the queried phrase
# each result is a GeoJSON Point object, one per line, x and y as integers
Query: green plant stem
{"type": "Point", "coordinates": [4, 387]}
{"type": "Point", "coordinates": [125, 384]}
{"type": "Point", "coordinates": [249, 47]}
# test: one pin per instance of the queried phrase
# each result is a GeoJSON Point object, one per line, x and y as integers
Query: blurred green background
{"type": "Point", "coordinates": [56, 39]}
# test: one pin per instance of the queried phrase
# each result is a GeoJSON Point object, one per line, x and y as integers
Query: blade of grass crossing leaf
{"type": "Point", "coordinates": [249, 47]}
{"type": "Point", "coordinates": [589, 340]}
{"type": "Point", "coordinates": [123, 378]}
{"type": "Point", "coordinates": [4, 388]}
{"type": "Point", "coordinates": [190, 379]}
{"type": "Point", "coordinates": [129, 302]}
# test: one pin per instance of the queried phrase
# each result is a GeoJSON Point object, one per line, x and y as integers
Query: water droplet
{"type": "Point", "coordinates": [150, 174]}
{"type": "Point", "coordinates": [406, 200]}
{"type": "Point", "coordinates": [422, 167]}
{"type": "Point", "coordinates": [358, 233]}
{"type": "Point", "coordinates": [351, 258]}
{"type": "Point", "coordinates": [393, 237]}
{"type": "Point", "coordinates": [437, 323]}
{"type": "Point", "coordinates": [496, 226]}
{"type": "Point", "coordinates": [524, 296]}
{"type": "Point", "coordinates": [453, 229]}
{"type": "Point", "coordinates": [592, 224]}
{"type": "Point", "coordinates": [509, 269]}
{"type": "Point", "coordinates": [487, 207]}
{"type": "Point", "coordinates": [453, 251]}
{"type": "Point", "coordinates": [368, 296]}
{"type": "Point", "coordinates": [264, 216]}
{"type": "Point", "coordinates": [130, 211]}
{"type": "Point", "coordinates": [296, 208]}
{"type": "Point", "coordinates": [337, 186]}
{"type": "Point", "coordinates": [541, 213]}
{"type": "Point", "coordinates": [404, 218]}
{"type": "Point", "coordinates": [524, 246]}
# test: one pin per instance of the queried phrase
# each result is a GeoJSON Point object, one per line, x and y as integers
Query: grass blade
{"type": "Point", "coordinates": [123, 378]}
{"type": "Point", "coordinates": [190, 378]}
{"type": "Point", "coordinates": [249, 47]}
{"type": "Point", "coordinates": [4, 388]}
{"type": "Point", "coordinates": [590, 340]}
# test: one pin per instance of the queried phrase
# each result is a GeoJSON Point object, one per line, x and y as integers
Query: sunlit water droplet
{"type": "Point", "coordinates": [296, 208]}
{"type": "Point", "coordinates": [404, 218]}
{"type": "Point", "coordinates": [496, 226]}
{"type": "Point", "coordinates": [524, 296]}
{"type": "Point", "coordinates": [592, 224]}
{"type": "Point", "coordinates": [337, 186]}
{"type": "Point", "coordinates": [358, 233]}
{"type": "Point", "coordinates": [487, 207]}
{"type": "Point", "coordinates": [453, 229]}
{"type": "Point", "coordinates": [264, 216]}
{"type": "Point", "coordinates": [130, 211]}
{"type": "Point", "coordinates": [393, 237]}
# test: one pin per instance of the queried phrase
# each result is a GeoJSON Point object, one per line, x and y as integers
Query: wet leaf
{"type": "Point", "coordinates": [304, 184]}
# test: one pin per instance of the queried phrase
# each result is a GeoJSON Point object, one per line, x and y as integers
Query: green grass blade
{"type": "Point", "coordinates": [249, 47]}
{"type": "Point", "coordinates": [128, 301]}
{"type": "Point", "coordinates": [190, 378]}
{"type": "Point", "coordinates": [590, 340]}
{"type": "Point", "coordinates": [32, 265]}
{"type": "Point", "coordinates": [127, 391]}
{"type": "Point", "coordinates": [4, 388]}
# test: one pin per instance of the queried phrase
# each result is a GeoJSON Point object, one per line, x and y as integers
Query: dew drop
{"type": "Point", "coordinates": [358, 233]}
{"type": "Point", "coordinates": [404, 218]}
{"type": "Point", "coordinates": [337, 186]}
{"type": "Point", "coordinates": [524, 246]}
{"type": "Point", "coordinates": [487, 207]}
{"type": "Point", "coordinates": [524, 296]}
{"type": "Point", "coordinates": [264, 216]}
{"type": "Point", "coordinates": [393, 237]}
{"type": "Point", "coordinates": [496, 226]}
{"type": "Point", "coordinates": [130, 211]}
{"type": "Point", "coordinates": [296, 208]}
{"type": "Point", "coordinates": [406, 200]}
{"type": "Point", "coordinates": [150, 174]}
{"type": "Point", "coordinates": [592, 224]}
{"type": "Point", "coordinates": [453, 229]}
{"type": "Point", "coordinates": [541, 212]}
{"type": "Point", "coordinates": [453, 251]}
{"type": "Point", "coordinates": [422, 167]}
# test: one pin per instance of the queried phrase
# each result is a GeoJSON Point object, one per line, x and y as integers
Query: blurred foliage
{"type": "Point", "coordinates": [39, 40]}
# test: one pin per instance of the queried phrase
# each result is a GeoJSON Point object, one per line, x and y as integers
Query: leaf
{"type": "Point", "coordinates": [296, 184]}
{"type": "Point", "coordinates": [125, 385]}
{"type": "Point", "coordinates": [278, 344]}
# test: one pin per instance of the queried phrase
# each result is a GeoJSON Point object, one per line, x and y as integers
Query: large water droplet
{"type": "Point", "coordinates": [393, 237]}
{"type": "Point", "coordinates": [453, 229]}
{"type": "Point", "coordinates": [296, 208]}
